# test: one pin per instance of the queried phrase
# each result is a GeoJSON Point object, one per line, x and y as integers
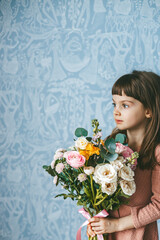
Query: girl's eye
{"type": "Point", "coordinates": [125, 106]}
{"type": "Point", "coordinates": [113, 104]}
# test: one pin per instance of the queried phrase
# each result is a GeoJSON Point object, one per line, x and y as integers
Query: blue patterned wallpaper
{"type": "Point", "coordinates": [58, 61]}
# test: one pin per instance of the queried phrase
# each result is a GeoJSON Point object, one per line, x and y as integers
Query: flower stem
{"type": "Point", "coordinates": [101, 200]}
{"type": "Point", "coordinates": [91, 178]}
{"type": "Point", "coordinates": [65, 173]}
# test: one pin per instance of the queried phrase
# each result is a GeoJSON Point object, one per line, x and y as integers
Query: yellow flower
{"type": "Point", "coordinates": [89, 151]}
{"type": "Point", "coordinates": [102, 142]}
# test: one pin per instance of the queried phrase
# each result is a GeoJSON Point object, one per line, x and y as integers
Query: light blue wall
{"type": "Point", "coordinates": [58, 61]}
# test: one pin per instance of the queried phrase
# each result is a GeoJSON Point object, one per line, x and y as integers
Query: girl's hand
{"type": "Point", "coordinates": [90, 232]}
{"type": "Point", "coordinates": [102, 225]}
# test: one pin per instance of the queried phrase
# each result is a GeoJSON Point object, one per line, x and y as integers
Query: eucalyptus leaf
{"type": "Point", "coordinates": [81, 132]}
{"type": "Point", "coordinates": [120, 138]}
{"type": "Point", "coordinates": [111, 157]}
{"type": "Point", "coordinates": [103, 156]}
{"type": "Point", "coordinates": [110, 145]}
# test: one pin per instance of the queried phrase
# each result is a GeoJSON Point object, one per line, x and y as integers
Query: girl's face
{"type": "Point", "coordinates": [129, 113]}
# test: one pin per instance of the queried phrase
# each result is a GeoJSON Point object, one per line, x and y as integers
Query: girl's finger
{"type": "Point", "coordinates": [90, 232]}
{"type": "Point", "coordinates": [95, 224]}
{"type": "Point", "coordinates": [94, 219]}
{"type": "Point", "coordinates": [95, 229]}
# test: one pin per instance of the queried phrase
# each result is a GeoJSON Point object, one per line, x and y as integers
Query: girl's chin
{"type": "Point", "coordinates": [120, 127]}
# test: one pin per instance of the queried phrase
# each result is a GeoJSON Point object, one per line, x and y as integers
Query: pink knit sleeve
{"type": "Point", "coordinates": [151, 212]}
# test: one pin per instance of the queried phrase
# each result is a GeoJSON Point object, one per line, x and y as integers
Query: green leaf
{"type": "Point", "coordinates": [82, 191]}
{"type": "Point", "coordinates": [89, 139]}
{"type": "Point", "coordinates": [120, 138]}
{"type": "Point", "coordinates": [79, 202]}
{"type": "Point", "coordinates": [65, 196]}
{"type": "Point", "coordinates": [88, 192]}
{"type": "Point", "coordinates": [51, 171]}
{"type": "Point", "coordinates": [45, 167]}
{"type": "Point", "coordinates": [110, 145]}
{"type": "Point", "coordinates": [124, 195]}
{"type": "Point", "coordinates": [81, 132]}
{"type": "Point", "coordinates": [111, 157]}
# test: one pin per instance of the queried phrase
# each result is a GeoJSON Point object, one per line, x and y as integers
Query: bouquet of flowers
{"type": "Point", "coordinates": [98, 174]}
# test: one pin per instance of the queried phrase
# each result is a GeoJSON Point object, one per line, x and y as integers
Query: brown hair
{"type": "Point", "coordinates": [145, 87]}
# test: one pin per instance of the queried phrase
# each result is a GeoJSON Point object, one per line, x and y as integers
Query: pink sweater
{"type": "Point", "coordinates": [144, 206]}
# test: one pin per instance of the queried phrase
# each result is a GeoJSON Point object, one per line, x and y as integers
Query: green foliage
{"type": "Point", "coordinates": [66, 196]}
{"type": "Point", "coordinates": [110, 145]}
{"type": "Point", "coordinates": [120, 138]}
{"type": "Point", "coordinates": [88, 193]}
{"type": "Point", "coordinates": [111, 157]}
{"type": "Point", "coordinates": [89, 139]}
{"type": "Point", "coordinates": [51, 171]}
{"type": "Point", "coordinates": [81, 132]}
{"type": "Point", "coordinates": [95, 125]}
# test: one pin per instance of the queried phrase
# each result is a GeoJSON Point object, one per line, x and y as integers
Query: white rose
{"type": "Point", "coordinates": [81, 143]}
{"type": "Point", "coordinates": [105, 173]}
{"type": "Point", "coordinates": [117, 165]}
{"type": "Point", "coordinates": [121, 159]}
{"type": "Point", "coordinates": [109, 188]}
{"type": "Point", "coordinates": [128, 187]}
{"type": "Point", "coordinates": [126, 173]}
{"type": "Point", "coordinates": [88, 170]}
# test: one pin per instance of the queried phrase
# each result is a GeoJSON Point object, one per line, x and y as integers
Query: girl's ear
{"type": "Point", "coordinates": [148, 113]}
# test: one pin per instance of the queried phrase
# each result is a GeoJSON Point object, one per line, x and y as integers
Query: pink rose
{"type": "Point", "coordinates": [127, 152]}
{"type": "Point", "coordinates": [124, 150]}
{"type": "Point", "coordinates": [119, 148]}
{"type": "Point", "coordinates": [74, 159]}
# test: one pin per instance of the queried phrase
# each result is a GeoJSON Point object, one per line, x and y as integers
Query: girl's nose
{"type": "Point", "coordinates": [117, 112]}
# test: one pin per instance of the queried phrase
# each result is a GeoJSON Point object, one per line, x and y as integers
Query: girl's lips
{"type": "Point", "coordinates": [118, 121]}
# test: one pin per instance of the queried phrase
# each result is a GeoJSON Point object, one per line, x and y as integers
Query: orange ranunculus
{"type": "Point", "coordinates": [89, 151]}
{"type": "Point", "coordinates": [102, 142]}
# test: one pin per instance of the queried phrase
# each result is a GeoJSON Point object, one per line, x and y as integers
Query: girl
{"type": "Point", "coordinates": [136, 101]}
